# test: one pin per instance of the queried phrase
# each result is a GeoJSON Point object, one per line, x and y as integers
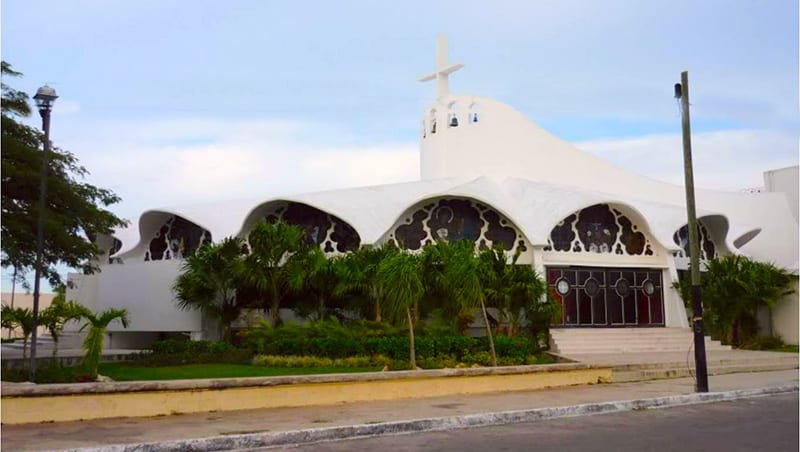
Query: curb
{"type": "Point", "coordinates": [274, 439]}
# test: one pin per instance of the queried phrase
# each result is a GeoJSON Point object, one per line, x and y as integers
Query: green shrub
{"type": "Point", "coordinates": [314, 361]}
{"type": "Point", "coordinates": [516, 348]}
{"type": "Point", "coordinates": [482, 358]}
{"type": "Point", "coordinates": [429, 363]}
{"type": "Point", "coordinates": [510, 361]}
{"type": "Point", "coordinates": [51, 372]}
{"type": "Point", "coordinates": [332, 339]}
{"type": "Point", "coordinates": [764, 343]}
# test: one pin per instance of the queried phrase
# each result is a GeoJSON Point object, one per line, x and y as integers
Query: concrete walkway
{"type": "Point", "coordinates": [142, 430]}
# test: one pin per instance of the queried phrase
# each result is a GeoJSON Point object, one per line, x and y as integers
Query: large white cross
{"type": "Point", "coordinates": [443, 68]}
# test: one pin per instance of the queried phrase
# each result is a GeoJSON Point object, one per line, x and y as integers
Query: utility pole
{"type": "Point", "coordinates": [682, 92]}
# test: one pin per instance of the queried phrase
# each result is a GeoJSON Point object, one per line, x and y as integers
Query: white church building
{"type": "Point", "coordinates": [608, 241]}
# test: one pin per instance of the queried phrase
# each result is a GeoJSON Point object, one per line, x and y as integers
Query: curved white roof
{"type": "Point", "coordinates": [524, 172]}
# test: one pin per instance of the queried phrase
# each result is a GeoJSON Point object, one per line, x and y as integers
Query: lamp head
{"type": "Point", "coordinates": [45, 97]}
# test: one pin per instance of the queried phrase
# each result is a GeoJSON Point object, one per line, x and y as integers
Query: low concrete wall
{"type": "Point", "coordinates": [24, 403]}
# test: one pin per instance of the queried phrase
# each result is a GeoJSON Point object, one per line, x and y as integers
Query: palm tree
{"type": "Point", "coordinates": [358, 273]}
{"type": "Point", "coordinates": [93, 344]}
{"type": "Point", "coordinates": [509, 287]}
{"type": "Point", "coordinates": [268, 267]}
{"type": "Point", "coordinates": [209, 280]}
{"type": "Point", "coordinates": [734, 288]}
{"type": "Point", "coordinates": [314, 275]}
{"type": "Point", "coordinates": [400, 274]}
{"type": "Point", "coordinates": [21, 318]}
{"type": "Point", "coordinates": [461, 278]}
{"type": "Point", "coordinates": [56, 316]}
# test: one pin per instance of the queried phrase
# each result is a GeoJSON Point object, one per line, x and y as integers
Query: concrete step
{"type": "Point", "coordinates": [606, 341]}
{"type": "Point", "coordinates": [689, 362]}
{"type": "Point", "coordinates": [689, 371]}
{"type": "Point", "coordinates": [571, 341]}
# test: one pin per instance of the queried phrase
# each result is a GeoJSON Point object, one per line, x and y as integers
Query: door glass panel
{"type": "Point", "coordinates": [599, 308]}
{"type": "Point", "coordinates": [570, 309]}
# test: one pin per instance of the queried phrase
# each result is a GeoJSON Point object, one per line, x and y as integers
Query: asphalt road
{"type": "Point", "coordinates": [757, 424]}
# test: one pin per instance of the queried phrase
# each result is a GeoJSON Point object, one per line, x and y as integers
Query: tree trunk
{"type": "Point", "coordinates": [24, 352]}
{"type": "Point", "coordinates": [489, 333]}
{"type": "Point", "coordinates": [377, 311]}
{"type": "Point", "coordinates": [411, 352]}
{"type": "Point", "coordinates": [275, 307]}
{"type": "Point", "coordinates": [322, 307]}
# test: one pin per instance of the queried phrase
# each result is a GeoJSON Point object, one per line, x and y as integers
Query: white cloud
{"type": "Point", "coordinates": [725, 160]}
{"type": "Point", "coordinates": [66, 107]}
{"type": "Point", "coordinates": [146, 164]}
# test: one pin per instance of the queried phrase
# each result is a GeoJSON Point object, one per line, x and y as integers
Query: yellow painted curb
{"type": "Point", "coordinates": [83, 405]}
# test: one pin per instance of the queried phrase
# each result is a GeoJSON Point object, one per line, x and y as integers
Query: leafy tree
{"type": "Point", "coordinates": [400, 274]}
{"type": "Point", "coordinates": [209, 280]}
{"type": "Point", "coordinates": [21, 318]}
{"type": "Point", "coordinates": [76, 211]}
{"type": "Point", "coordinates": [274, 250]}
{"type": "Point", "coordinates": [93, 344]}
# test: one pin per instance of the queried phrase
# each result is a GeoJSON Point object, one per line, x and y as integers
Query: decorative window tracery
{"type": "Point", "coordinates": [454, 219]}
{"type": "Point", "coordinates": [176, 239]}
{"type": "Point", "coordinates": [599, 229]}
{"type": "Point", "coordinates": [327, 231]}
{"type": "Point", "coordinates": [708, 250]}
{"type": "Point", "coordinates": [115, 247]}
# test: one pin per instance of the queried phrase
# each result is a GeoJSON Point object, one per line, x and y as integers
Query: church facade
{"type": "Point", "coordinates": [609, 242]}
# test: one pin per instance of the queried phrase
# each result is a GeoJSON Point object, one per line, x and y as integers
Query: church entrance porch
{"type": "Point", "coordinates": [607, 297]}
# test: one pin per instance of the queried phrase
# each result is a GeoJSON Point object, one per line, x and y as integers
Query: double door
{"type": "Point", "coordinates": [603, 297]}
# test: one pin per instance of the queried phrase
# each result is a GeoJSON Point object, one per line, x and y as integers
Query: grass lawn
{"type": "Point", "coordinates": [125, 372]}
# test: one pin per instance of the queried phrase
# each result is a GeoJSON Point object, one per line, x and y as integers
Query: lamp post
{"type": "Point", "coordinates": [45, 97]}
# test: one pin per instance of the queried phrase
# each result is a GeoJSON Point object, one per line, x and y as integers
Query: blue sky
{"type": "Point", "coordinates": [174, 102]}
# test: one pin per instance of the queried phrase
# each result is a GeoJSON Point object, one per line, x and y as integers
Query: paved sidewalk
{"type": "Point", "coordinates": [139, 430]}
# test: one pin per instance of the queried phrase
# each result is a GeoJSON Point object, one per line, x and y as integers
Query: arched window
{"type": "Point", "coordinates": [452, 120]}
{"type": "Point", "coordinates": [599, 229]}
{"type": "Point", "coordinates": [454, 219]}
{"type": "Point", "coordinates": [176, 239]}
{"type": "Point", "coordinates": [474, 113]}
{"type": "Point", "coordinates": [329, 232]}
{"type": "Point", "coordinates": [433, 121]}
{"type": "Point", "coordinates": [708, 250]}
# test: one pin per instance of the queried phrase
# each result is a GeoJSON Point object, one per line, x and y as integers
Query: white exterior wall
{"type": "Point", "coordinates": [785, 180]}
{"type": "Point", "coordinates": [674, 308]}
{"type": "Point", "coordinates": [785, 317]}
{"type": "Point", "coordinates": [145, 290]}
{"type": "Point", "coordinates": [83, 289]}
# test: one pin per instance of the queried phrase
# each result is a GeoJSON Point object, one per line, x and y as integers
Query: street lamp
{"type": "Point", "coordinates": [45, 97]}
